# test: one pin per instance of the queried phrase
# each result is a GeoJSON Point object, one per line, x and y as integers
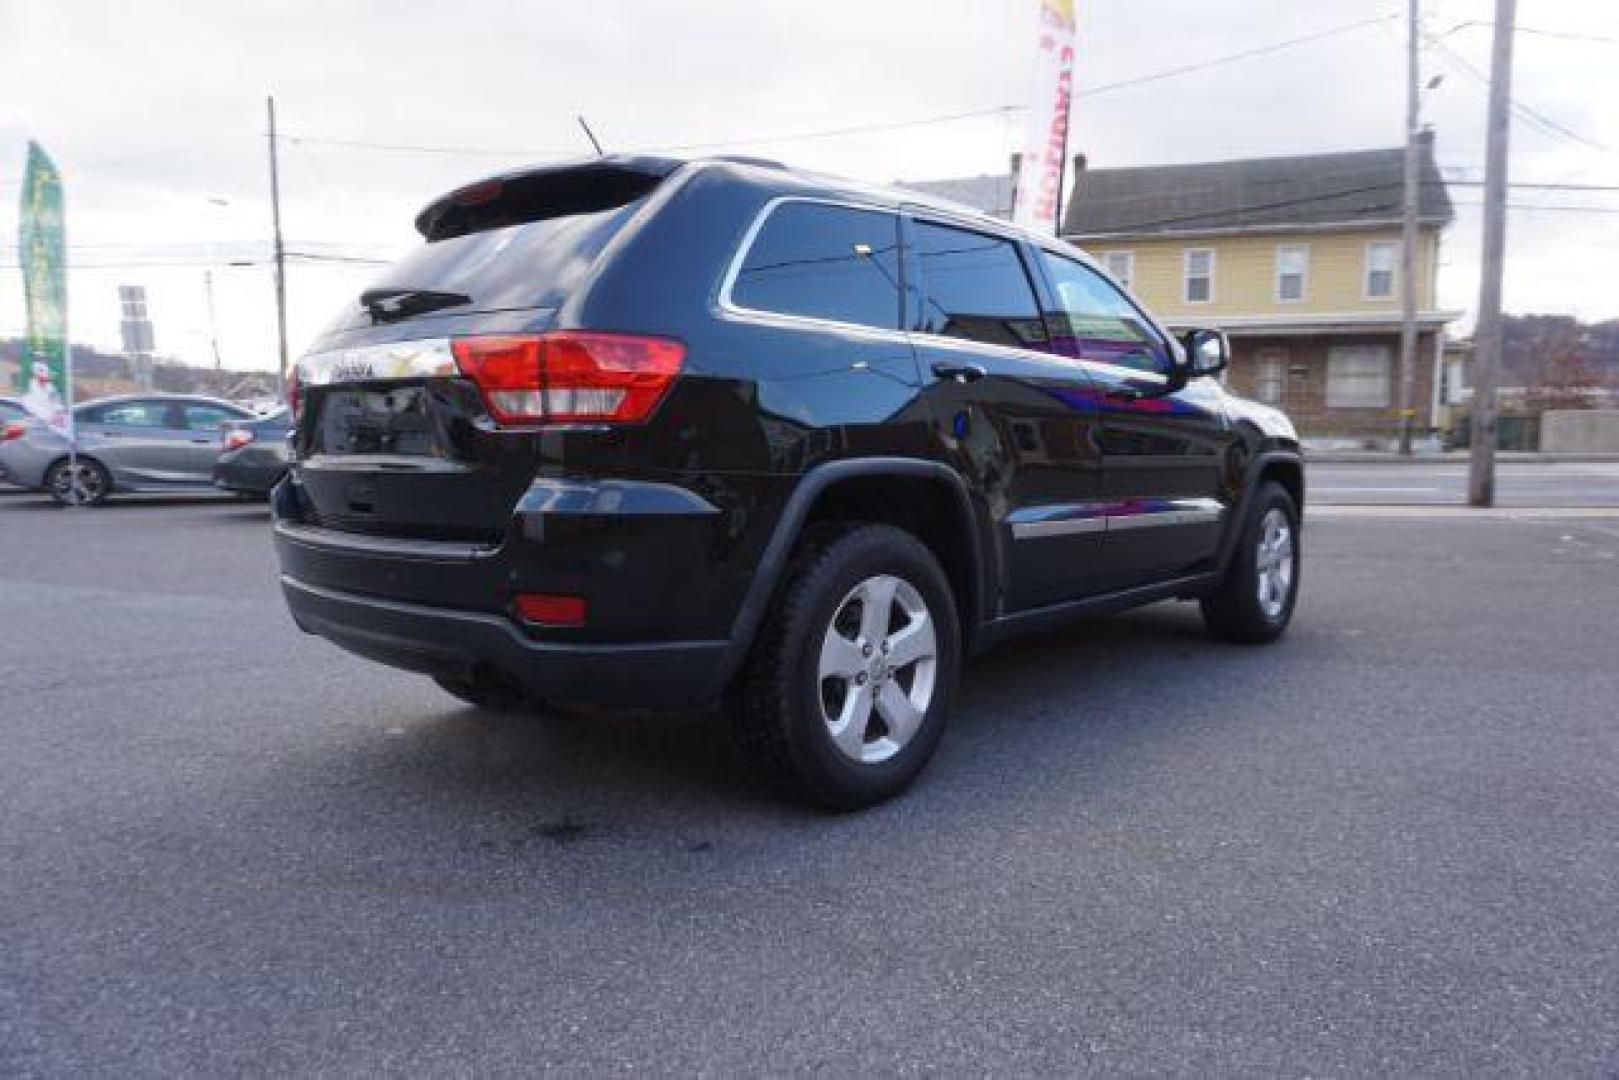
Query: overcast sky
{"type": "Point", "coordinates": [155, 113]}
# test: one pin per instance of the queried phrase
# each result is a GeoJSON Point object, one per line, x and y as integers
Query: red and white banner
{"type": "Point", "coordinates": [1045, 140]}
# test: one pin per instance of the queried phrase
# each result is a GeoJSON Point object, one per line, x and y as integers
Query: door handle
{"type": "Point", "coordinates": [1125, 393]}
{"type": "Point", "coordinates": [962, 373]}
{"type": "Point", "coordinates": [202, 442]}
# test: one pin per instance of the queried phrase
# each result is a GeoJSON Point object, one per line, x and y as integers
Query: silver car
{"type": "Point", "coordinates": [148, 442]}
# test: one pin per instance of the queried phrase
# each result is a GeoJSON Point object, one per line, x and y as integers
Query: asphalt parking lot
{"type": "Point", "coordinates": [1388, 844]}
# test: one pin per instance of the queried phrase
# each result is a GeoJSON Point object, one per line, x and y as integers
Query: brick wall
{"type": "Point", "coordinates": [1304, 383]}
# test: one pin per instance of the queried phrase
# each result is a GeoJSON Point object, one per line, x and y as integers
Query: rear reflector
{"type": "Point", "coordinates": [548, 609]}
{"type": "Point", "coordinates": [570, 375]}
{"type": "Point", "coordinates": [12, 431]}
{"type": "Point", "coordinates": [235, 440]}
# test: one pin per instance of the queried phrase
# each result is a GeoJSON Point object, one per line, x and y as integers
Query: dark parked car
{"type": "Point", "coordinates": [254, 458]}
{"type": "Point", "coordinates": [644, 432]}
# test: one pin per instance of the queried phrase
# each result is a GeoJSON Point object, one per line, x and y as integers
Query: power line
{"type": "Point", "coordinates": [1261, 50]}
{"type": "Point", "coordinates": [1532, 186]}
{"type": "Point", "coordinates": [313, 257]}
{"type": "Point", "coordinates": [1553, 207]}
{"type": "Point", "coordinates": [1564, 35]}
{"type": "Point", "coordinates": [858, 129]}
{"type": "Point", "coordinates": [1537, 119]}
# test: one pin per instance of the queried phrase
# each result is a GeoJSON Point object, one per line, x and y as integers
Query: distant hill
{"type": "Point", "coordinates": [99, 374]}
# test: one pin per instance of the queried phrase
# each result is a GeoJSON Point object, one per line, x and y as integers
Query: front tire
{"type": "Point", "coordinates": [87, 484]}
{"type": "Point", "coordinates": [1254, 602]}
{"type": "Point", "coordinates": [846, 693]}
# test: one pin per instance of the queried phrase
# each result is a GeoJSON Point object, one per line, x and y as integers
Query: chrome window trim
{"type": "Point", "coordinates": [728, 306]}
{"type": "Point", "coordinates": [393, 361]}
{"type": "Point", "coordinates": [1083, 518]}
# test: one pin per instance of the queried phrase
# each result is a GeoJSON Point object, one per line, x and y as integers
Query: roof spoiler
{"type": "Point", "coordinates": [587, 185]}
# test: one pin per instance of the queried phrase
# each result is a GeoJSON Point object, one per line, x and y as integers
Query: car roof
{"type": "Point", "coordinates": [774, 176]}
{"type": "Point", "coordinates": [115, 399]}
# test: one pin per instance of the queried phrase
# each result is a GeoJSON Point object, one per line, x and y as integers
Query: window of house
{"type": "Point", "coordinates": [1358, 376]}
{"type": "Point", "coordinates": [1270, 375]}
{"type": "Point", "coordinates": [1198, 266]}
{"type": "Point", "coordinates": [818, 261]}
{"type": "Point", "coordinates": [1380, 258]}
{"type": "Point", "coordinates": [1292, 264]}
{"type": "Point", "coordinates": [976, 288]}
{"type": "Point", "coordinates": [1122, 265]}
{"type": "Point", "coordinates": [1097, 322]}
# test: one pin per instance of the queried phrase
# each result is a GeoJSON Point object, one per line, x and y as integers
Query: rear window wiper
{"type": "Point", "coordinates": [401, 302]}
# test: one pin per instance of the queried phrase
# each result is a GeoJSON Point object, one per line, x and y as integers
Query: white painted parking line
{"type": "Point", "coordinates": [1325, 489]}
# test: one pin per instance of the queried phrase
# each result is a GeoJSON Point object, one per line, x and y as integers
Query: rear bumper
{"type": "Point", "coordinates": [456, 644]}
{"type": "Point", "coordinates": [251, 478]}
{"type": "Point", "coordinates": [444, 607]}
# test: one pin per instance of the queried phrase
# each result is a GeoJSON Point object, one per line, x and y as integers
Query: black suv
{"type": "Point", "coordinates": [643, 432]}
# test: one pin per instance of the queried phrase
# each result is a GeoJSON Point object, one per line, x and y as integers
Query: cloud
{"type": "Point", "coordinates": [155, 109]}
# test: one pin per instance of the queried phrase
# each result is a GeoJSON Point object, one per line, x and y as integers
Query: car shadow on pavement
{"type": "Point", "coordinates": [582, 774]}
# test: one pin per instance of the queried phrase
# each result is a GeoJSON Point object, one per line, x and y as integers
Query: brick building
{"type": "Point", "coordinates": [1297, 259]}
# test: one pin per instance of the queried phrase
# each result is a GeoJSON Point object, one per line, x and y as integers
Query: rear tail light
{"type": "Point", "coordinates": [235, 440]}
{"type": "Point", "coordinates": [570, 376]}
{"type": "Point", "coordinates": [551, 609]}
{"type": "Point", "coordinates": [12, 431]}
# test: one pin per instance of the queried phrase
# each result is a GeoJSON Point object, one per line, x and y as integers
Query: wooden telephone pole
{"type": "Point", "coordinates": [1408, 231]}
{"type": "Point", "coordinates": [280, 252]}
{"type": "Point", "coordinates": [1487, 333]}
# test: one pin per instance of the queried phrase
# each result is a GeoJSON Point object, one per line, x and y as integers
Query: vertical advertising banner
{"type": "Point", "coordinates": [42, 252]}
{"type": "Point", "coordinates": [1045, 140]}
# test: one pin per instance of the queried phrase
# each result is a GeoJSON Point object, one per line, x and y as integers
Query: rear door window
{"type": "Point", "coordinates": [819, 261]}
{"type": "Point", "coordinates": [207, 417]}
{"type": "Point", "coordinates": [977, 288]}
{"type": "Point", "coordinates": [133, 414]}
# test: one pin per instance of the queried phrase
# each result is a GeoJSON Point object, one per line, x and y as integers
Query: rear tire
{"type": "Point", "coordinates": [845, 694]}
{"type": "Point", "coordinates": [88, 485]}
{"type": "Point", "coordinates": [1254, 601]}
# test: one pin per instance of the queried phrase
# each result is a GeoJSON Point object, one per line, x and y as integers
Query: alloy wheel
{"type": "Point", "coordinates": [1274, 563]}
{"type": "Point", "coordinates": [878, 668]}
{"type": "Point", "coordinates": [80, 484]}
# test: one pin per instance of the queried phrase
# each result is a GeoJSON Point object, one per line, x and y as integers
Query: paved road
{"type": "Point", "coordinates": [1385, 845]}
{"type": "Point", "coordinates": [1517, 484]}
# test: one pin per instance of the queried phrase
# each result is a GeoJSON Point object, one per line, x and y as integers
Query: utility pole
{"type": "Point", "coordinates": [1487, 332]}
{"type": "Point", "coordinates": [280, 253]}
{"type": "Point", "coordinates": [213, 321]}
{"type": "Point", "coordinates": [1408, 231]}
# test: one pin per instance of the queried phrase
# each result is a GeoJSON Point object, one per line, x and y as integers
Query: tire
{"type": "Point", "coordinates": [489, 694]}
{"type": "Point", "coordinates": [1254, 602]}
{"type": "Point", "coordinates": [840, 722]}
{"type": "Point", "coordinates": [94, 483]}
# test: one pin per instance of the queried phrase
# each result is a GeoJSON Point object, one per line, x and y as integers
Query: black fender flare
{"type": "Point", "coordinates": [1250, 484]}
{"type": "Point", "coordinates": [773, 563]}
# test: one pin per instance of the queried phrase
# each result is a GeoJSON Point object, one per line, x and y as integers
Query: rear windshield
{"type": "Point", "coordinates": [530, 265]}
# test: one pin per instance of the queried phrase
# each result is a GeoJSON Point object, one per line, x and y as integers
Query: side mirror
{"type": "Point", "coordinates": [1207, 353]}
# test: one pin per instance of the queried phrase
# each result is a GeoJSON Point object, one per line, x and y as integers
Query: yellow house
{"type": "Point", "coordinates": [1297, 259]}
